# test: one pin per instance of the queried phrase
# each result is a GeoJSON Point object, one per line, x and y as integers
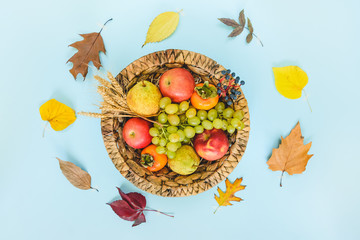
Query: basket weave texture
{"type": "Point", "coordinates": [165, 182]}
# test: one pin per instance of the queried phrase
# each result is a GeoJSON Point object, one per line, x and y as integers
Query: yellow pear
{"type": "Point", "coordinates": [143, 98]}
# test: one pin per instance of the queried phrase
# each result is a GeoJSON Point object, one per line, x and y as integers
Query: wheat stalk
{"type": "Point", "coordinates": [114, 104]}
{"type": "Point", "coordinates": [90, 114]}
{"type": "Point", "coordinates": [103, 82]}
{"type": "Point", "coordinates": [116, 85]}
{"type": "Point", "coordinates": [119, 100]}
{"type": "Point", "coordinates": [106, 97]}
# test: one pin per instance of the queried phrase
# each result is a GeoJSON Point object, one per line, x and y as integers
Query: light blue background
{"type": "Point", "coordinates": [322, 37]}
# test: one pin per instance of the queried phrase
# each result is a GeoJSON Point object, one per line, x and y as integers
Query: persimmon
{"type": "Point", "coordinates": [205, 96]}
{"type": "Point", "coordinates": [152, 160]}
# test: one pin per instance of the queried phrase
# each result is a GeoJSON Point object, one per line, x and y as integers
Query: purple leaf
{"type": "Point", "coordinates": [134, 199]}
{"type": "Point", "coordinates": [124, 211]}
{"type": "Point", "coordinates": [131, 207]}
{"type": "Point", "coordinates": [137, 199]}
{"type": "Point", "coordinates": [141, 219]}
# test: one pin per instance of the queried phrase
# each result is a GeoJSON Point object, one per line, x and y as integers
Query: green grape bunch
{"type": "Point", "coordinates": [181, 122]}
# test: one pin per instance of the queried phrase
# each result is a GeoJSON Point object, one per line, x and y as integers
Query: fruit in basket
{"type": "Point", "coordinates": [143, 98]}
{"type": "Point", "coordinates": [229, 86]}
{"type": "Point", "coordinates": [205, 96]}
{"type": "Point", "coordinates": [211, 144]}
{"type": "Point", "coordinates": [152, 160]}
{"type": "Point", "coordinates": [181, 122]}
{"type": "Point", "coordinates": [177, 84]}
{"type": "Point", "coordinates": [185, 162]}
{"type": "Point", "coordinates": [136, 133]}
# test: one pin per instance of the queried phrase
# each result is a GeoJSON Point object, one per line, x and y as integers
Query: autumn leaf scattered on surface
{"type": "Point", "coordinates": [292, 155]}
{"type": "Point", "coordinates": [224, 198]}
{"type": "Point", "coordinates": [239, 27]}
{"type": "Point", "coordinates": [162, 27]}
{"type": "Point", "coordinates": [249, 37]}
{"type": "Point", "coordinates": [57, 114]}
{"type": "Point", "coordinates": [132, 207]}
{"type": "Point", "coordinates": [242, 20]}
{"type": "Point", "coordinates": [290, 81]}
{"type": "Point", "coordinates": [76, 176]}
{"type": "Point", "coordinates": [88, 51]}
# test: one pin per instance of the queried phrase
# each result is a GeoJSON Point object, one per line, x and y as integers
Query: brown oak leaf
{"type": "Point", "coordinates": [292, 155]}
{"type": "Point", "coordinates": [88, 51]}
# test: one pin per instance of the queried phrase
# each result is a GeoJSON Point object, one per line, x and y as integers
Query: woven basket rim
{"type": "Point", "coordinates": [156, 59]}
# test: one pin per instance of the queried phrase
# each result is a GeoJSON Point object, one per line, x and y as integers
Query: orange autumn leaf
{"type": "Point", "coordinates": [292, 155]}
{"type": "Point", "coordinates": [224, 198]}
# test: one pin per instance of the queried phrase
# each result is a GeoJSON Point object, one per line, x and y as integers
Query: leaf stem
{"type": "Point", "coordinates": [282, 174]}
{"type": "Point", "coordinates": [105, 24]}
{"type": "Point", "coordinates": [307, 100]}
{"type": "Point", "coordinates": [216, 209]}
{"type": "Point", "coordinates": [46, 124]}
{"type": "Point", "coordinates": [164, 133]}
{"type": "Point", "coordinates": [255, 36]}
{"type": "Point", "coordinates": [94, 189]}
{"type": "Point", "coordinates": [153, 210]}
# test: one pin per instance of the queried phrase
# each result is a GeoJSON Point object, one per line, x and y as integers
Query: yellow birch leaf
{"type": "Point", "coordinates": [224, 198]}
{"type": "Point", "coordinates": [162, 27]}
{"type": "Point", "coordinates": [57, 114]}
{"type": "Point", "coordinates": [290, 81]}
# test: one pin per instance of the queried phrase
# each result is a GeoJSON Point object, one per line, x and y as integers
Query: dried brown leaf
{"type": "Point", "coordinates": [250, 26]}
{"type": "Point", "coordinates": [238, 28]}
{"type": "Point", "coordinates": [249, 37]}
{"type": "Point", "coordinates": [292, 155]}
{"type": "Point", "coordinates": [236, 31]}
{"type": "Point", "coordinates": [242, 18]}
{"type": "Point", "coordinates": [229, 22]}
{"type": "Point", "coordinates": [88, 51]}
{"type": "Point", "coordinates": [76, 176]}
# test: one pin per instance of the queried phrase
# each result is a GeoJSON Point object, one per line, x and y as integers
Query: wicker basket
{"type": "Point", "coordinates": [167, 183]}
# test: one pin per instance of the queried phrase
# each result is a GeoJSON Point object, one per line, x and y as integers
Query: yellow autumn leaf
{"type": "Point", "coordinates": [162, 27]}
{"type": "Point", "coordinates": [290, 81]}
{"type": "Point", "coordinates": [224, 198]}
{"type": "Point", "coordinates": [57, 114]}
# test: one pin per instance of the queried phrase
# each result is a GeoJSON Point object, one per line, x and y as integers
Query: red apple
{"type": "Point", "coordinates": [136, 133]}
{"type": "Point", "coordinates": [177, 84]}
{"type": "Point", "coordinates": [211, 144]}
